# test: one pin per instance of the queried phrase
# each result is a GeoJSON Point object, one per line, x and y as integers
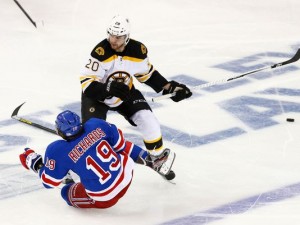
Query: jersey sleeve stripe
{"type": "Point", "coordinates": [112, 58]}
{"type": "Point", "coordinates": [85, 81]}
{"type": "Point", "coordinates": [120, 143]}
{"type": "Point", "coordinates": [50, 181]}
{"type": "Point", "coordinates": [128, 147]}
{"type": "Point", "coordinates": [133, 59]}
{"type": "Point", "coordinates": [144, 77]}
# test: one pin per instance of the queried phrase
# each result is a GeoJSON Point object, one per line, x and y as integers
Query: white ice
{"type": "Point", "coordinates": [252, 177]}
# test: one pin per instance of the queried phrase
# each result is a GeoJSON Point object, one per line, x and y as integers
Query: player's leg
{"type": "Point", "coordinates": [75, 195]}
{"type": "Point", "coordinates": [138, 112]}
{"type": "Point", "coordinates": [160, 163]}
{"type": "Point", "coordinates": [149, 127]}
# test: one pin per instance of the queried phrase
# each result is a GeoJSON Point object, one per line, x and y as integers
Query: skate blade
{"type": "Point", "coordinates": [167, 165]}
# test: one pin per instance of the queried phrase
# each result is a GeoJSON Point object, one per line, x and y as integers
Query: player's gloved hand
{"type": "Point", "coordinates": [31, 160]}
{"type": "Point", "coordinates": [118, 89]}
{"type": "Point", "coordinates": [182, 91]}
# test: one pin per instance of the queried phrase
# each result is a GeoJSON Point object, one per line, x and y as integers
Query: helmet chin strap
{"type": "Point", "coordinates": [127, 39]}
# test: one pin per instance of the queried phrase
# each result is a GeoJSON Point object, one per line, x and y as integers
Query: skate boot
{"type": "Point", "coordinates": [162, 163]}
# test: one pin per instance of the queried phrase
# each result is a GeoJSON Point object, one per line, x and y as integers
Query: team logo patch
{"type": "Point", "coordinates": [120, 76]}
{"type": "Point", "coordinates": [99, 51]}
{"type": "Point", "coordinates": [144, 49]}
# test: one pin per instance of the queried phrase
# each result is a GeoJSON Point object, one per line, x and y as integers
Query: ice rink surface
{"type": "Point", "coordinates": [238, 159]}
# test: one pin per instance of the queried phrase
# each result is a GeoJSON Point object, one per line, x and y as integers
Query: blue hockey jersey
{"type": "Point", "coordinates": [99, 156]}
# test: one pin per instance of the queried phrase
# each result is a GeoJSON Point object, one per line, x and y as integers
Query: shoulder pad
{"type": "Point", "coordinates": [136, 49]}
{"type": "Point", "coordinates": [102, 51]}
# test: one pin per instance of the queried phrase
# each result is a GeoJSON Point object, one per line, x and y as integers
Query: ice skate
{"type": "Point", "coordinates": [162, 163]}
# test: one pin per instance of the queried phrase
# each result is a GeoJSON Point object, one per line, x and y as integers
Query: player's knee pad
{"type": "Point", "coordinates": [75, 195]}
{"type": "Point", "coordinates": [147, 124]}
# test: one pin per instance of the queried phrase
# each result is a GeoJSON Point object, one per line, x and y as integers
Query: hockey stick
{"type": "Point", "coordinates": [26, 14]}
{"type": "Point", "coordinates": [295, 58]}
{"type": "Point", "coordinates": [14, 115]}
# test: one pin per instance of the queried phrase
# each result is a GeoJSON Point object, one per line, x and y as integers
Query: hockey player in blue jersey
{"type": "Point", "coordinates": [98, 153]}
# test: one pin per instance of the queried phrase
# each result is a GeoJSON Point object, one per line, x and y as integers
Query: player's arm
{"type": "Point", "coordinates": [30, 160]}
{"type": "Point", "coordinates": [158, 82]}
{"type": "Point", "coordinates": [56, 166]}
{"type": "Point", "coordinates": [90, 80]}
{"type": "Point", "coordinates": [93, 88]}
{"type": "Point", "coordinates": [146, 74]}
{"type": "Point", "coordinates": [46, 171]}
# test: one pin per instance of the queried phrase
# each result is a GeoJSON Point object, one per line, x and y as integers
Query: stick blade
{"type": "Point", "coordinates": [15, 112]}
{"type": "Point", "coordinates": [295, 58]}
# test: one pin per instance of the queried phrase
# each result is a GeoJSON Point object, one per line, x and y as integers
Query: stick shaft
{"type": "Point", "coordinates": [15, 116]}
{"type": "Point", "coordinates": [293, 59]}
{"type": "Point", "coordinates": [26, 14]}
{"type": "Point", "coordinates": [28, 122]}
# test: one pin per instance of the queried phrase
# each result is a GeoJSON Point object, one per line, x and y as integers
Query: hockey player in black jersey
{"type": "Point", "coordinates": [107, 83]}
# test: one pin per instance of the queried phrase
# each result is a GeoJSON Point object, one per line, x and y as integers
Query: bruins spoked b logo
{"type": "Point", "coordinates": [121, 76]}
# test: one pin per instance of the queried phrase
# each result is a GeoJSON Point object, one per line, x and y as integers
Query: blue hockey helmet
{"type": "Point", "coordinates": [68, 124]}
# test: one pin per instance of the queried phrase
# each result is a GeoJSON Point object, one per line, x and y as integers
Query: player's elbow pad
{"type": "Point", "coordinates": [156, 81]}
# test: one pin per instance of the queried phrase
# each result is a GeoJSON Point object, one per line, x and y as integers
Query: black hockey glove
{"type": "Point", "coordinates": [118, 89]}
{"type": "Point", "coordinates": [182, 91]}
